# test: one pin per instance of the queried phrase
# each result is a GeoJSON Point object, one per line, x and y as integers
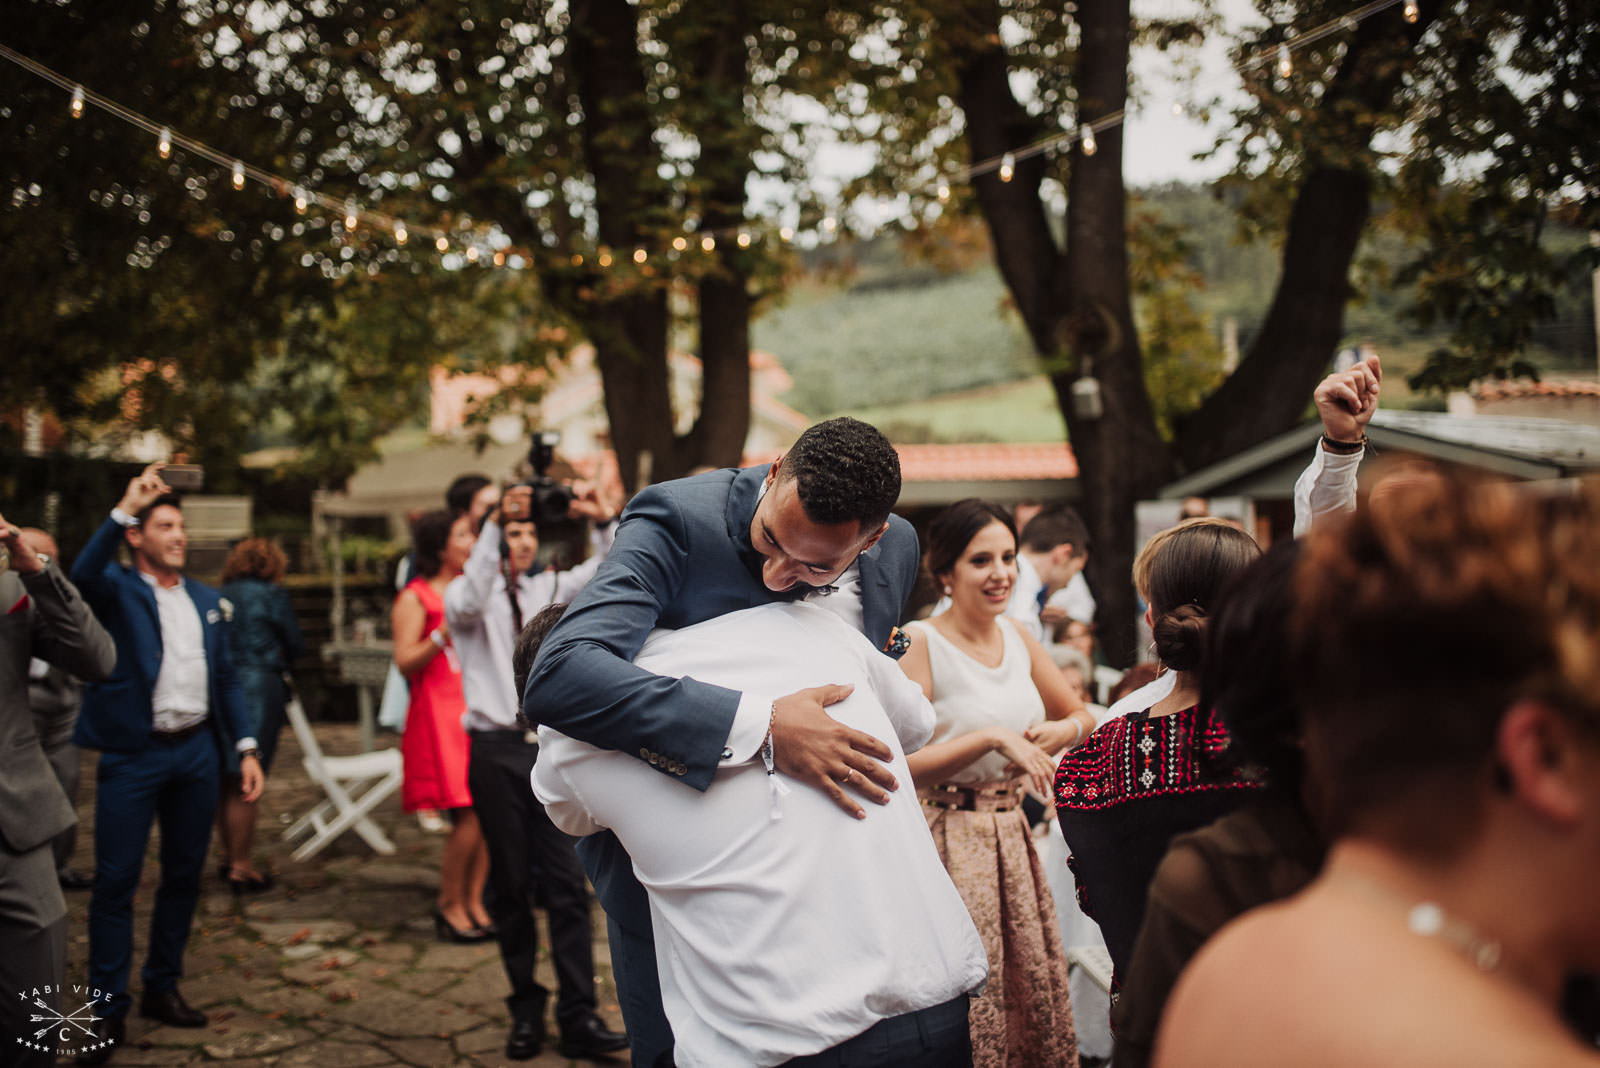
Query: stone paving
{"type": "Point", "coordinates": [335, 966]}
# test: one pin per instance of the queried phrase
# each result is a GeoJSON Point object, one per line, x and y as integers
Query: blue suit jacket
{"type": "Point", "coordinates": [682, 555]}
{"type": "Point", "coordinates": [116, 714]}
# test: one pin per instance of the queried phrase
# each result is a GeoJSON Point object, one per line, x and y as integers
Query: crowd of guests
{"type": "Point", "coordinates": [1350, 813]}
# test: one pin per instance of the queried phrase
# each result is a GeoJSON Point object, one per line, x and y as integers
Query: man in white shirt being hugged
{"type": "Point", "coordinates": [786, 931]}
{"type": "Point", "coordinates": [525, 849]}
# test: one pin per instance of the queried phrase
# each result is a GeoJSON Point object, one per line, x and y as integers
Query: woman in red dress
{"type": "Point", "coordinates": [434, 746]}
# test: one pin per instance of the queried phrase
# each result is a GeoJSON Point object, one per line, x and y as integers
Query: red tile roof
{"type": "Point", "coordinates": [1511, 389]}
{"type": "Point", "coordinates": [989, 461]}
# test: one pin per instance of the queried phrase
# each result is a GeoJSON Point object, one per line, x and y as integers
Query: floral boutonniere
{"type": "Point", "coordinates": [899, 641]}
{"type": "Point", "coordinates": [227, 609]}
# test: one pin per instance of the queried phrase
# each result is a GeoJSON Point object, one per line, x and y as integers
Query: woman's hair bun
{"type": "Point", "coordinates": [1180, 637]}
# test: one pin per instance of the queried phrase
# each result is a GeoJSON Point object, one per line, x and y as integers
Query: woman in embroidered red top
{"type": "Point", "coordinates": [1003, 710]}
{"type": "Point", "coordinates": [1140, 779]}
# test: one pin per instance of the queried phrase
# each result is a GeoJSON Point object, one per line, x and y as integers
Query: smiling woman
{"type": "Point", "coordinates": [1002, 711]}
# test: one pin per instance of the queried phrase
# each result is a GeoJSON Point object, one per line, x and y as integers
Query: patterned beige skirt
{"type": "Point", "coordinates": [1024, 1017]}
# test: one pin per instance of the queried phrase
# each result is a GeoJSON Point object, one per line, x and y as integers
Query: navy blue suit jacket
{"type": "Point", "coordinates": [116, 714]}
{"type": "Point", "coordinates": [682, 555]}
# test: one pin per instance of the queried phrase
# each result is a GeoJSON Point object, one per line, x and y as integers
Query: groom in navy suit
{"type": "Point", "coordinates": [161, 722]}
{"type": "Point", "coordinates": [815, 523]}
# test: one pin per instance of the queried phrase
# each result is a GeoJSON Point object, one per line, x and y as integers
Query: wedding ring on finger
{"type": "Point", "coordinates": [849, 774]}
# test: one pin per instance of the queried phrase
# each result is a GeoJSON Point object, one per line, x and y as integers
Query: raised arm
{"type": "Point", "coordinates": [65, 631]}
{"type": "Point", "coordinates": [1346, 402]}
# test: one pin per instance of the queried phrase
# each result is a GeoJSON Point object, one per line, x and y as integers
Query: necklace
{"type": "Point", "coordinates": [1428, 919]}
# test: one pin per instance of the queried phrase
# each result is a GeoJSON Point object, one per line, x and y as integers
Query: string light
{"type": "Point", "coordinates": [399, 232]}
{"type": "Point", "coordinates": [604, 259]}
{"type": "Point", "coordinates": [638, 255]}
{"type": "Point", "coordinates": [577, 259]}
{"type": "Point", "coordinates": [1280, 54]}
{"type": "Point", "coordinates": [499, 259]}
{"type": "Point", "coordinates": [441, 243]}
{"type": "Point", "coordinates": [472, 253]}
{"type": "Point", "coordinates": [350, 218]}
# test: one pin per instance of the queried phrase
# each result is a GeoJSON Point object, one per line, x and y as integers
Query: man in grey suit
{"type": "Point", "coordinates": [43, 617]}
{"type": "Point", "coordinates": [815, 523]}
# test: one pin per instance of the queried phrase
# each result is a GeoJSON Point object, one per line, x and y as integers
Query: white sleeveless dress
{"type": "Point", "coordinates": [1024, 1017]}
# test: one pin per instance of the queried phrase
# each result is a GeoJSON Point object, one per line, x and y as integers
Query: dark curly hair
{"type": "Point", "coordinates": [953, 529]}
{"type": "Point", "coordinates": [257, 558]}
{"type": "Point", "coordinates": [846, 471]}
{"type": "Point", "coordinates": [430, 533]}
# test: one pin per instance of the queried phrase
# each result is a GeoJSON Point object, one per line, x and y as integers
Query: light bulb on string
{"type": "Point", "coordinates": [1008, 167]}
{"type": "Point", "coordinates": [744, 239]}
{"type": "Point", "coordinates": [399, 232]}
{"type": "Point", "coordinates": [441, 243]}
{"type": "Point", "coordinates": [164, 142]}
{"type": "Point", "coordinates": [499, 259]}
{"type": "Point", "coordinates": [604, 259]}
{"type": "Point", "coordinates": [639, 255]}
{"type": "Point", "coordinates": [238, 174]}
{"type": "Point", "coordinates": [1086, 138]}
{"type": "Point", "coordinates": [829, 224]}
{"type": "Point", "coordinates": [350, 217]}
{"type": "Point", "coordinates": [472, 253]}
{"type": "Point", "coordinates": [708, 243]}
{"type": "Point", "coordinates": [680, 243]}
{"type": "Point", "coordinates": [300, 200]}
{"type": "Point", "coordinates": [577, 259]}
{"type": "Point", "coordinates": [77, 101]}
{"type": "Point", "coordinates": [786, 233]}
{"type": "Point", "coordinates": [1285, 61]}
{"type": "Point", "coordinates": [1410, 11]}
{"type": "Point", "coordinates": [943, 192]}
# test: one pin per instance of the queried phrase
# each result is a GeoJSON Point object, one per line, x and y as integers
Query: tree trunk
{"type": "Point", "coordinates": [1077, 305]}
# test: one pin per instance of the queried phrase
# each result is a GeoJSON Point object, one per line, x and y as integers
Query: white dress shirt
{"type": "Point", "coordinates": [182, 695]}
{"type": "Point", "coordinates": [482, 629]}
{"type": "Point", "coordinates": [782, 925]}
{"type": "Point", "coordinates": [1326, 487]}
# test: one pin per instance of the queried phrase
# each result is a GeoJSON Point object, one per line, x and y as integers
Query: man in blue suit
{"type": "Point", "coordinates": [815, 523]}
{"type": "Point", "coordinates": [160, 721]}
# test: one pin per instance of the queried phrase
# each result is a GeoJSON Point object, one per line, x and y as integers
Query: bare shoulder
{"type": "Point", "coordinates": [1307, 984]}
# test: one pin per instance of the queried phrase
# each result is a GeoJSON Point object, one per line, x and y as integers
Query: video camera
{"type": "Point", "coordinates": [551, 500]}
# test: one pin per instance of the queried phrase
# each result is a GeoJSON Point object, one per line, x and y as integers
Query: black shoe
{"type": "Point", "coordinates": [445, 931]}
{"type": "Point", "coordinates": [591, 1038]}
{"type": "Point", "coordinates": [71, 879]}
{"type": "Point", "coordinates": [109, 1031]}
{"type": "Point", "coordinates": [249, 884]}
{"type": "Point", "coordinates": [526, 1039]}
{"type": "Point", "coordinates": [169, 1007]}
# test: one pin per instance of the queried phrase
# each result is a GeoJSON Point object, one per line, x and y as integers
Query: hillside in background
{"type": "Point", "coordinates": [933, 354]}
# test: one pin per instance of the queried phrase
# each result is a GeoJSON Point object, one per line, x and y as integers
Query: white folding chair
{"type": "Point", "coordinates": [353, 785]}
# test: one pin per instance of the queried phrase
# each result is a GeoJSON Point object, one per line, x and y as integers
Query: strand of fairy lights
{"type": "Point", "coordinates": [1005, 164]}
{"type": "Point", "coordinates": [707, 241]}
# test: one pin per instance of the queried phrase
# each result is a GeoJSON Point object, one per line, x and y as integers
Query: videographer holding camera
{"type": "Point", "coordinates": [485, 608]}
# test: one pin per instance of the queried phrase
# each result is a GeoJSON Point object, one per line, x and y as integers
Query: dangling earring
{"type": "Point", "coordinates": [947, 589]}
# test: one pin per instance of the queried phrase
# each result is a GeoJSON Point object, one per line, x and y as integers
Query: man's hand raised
{"type": "Point", "coordinates": [145, 489]}
{"type": "Point", "coordinates": [811, 746]}
{"type": "Point", "coordinates": [1346, 400]}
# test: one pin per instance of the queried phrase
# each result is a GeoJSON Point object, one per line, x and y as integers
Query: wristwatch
{"type": "Point", "coordinates": [250, 753]}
